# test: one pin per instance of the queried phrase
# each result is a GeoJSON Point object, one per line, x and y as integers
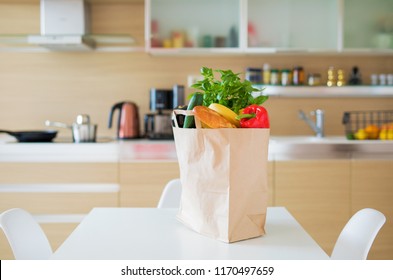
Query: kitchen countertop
{"type": "Point", "coordinates": [111, 150]}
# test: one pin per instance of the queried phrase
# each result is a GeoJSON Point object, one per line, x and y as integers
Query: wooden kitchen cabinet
{"type": "Point", "coordinates": [57, 172]}
{"type": "Point", "coordinates": [56, 190]}
{"type": "Point", "coordinates": [372, 187]}
{"type": "Point", "coordinates": [142, 182]}
{"type": "Point", "coordinates": [317, 193]}
{"type": "Point", "coordinates": [56, 233]}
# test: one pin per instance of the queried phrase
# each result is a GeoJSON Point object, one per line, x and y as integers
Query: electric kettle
{"type": "Point", "coordinates": [128, 120]}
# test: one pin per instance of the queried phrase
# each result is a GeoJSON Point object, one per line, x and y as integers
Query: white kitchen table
{"type": "Point", "coordinates": [154, 234]}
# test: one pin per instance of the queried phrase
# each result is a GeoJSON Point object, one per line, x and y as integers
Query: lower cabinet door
{"type": "Point", "coordinates": [142, 183]}
{"type": "Point", "coordinates": [317, 193]}
{"type": "Point", "coordinates": [56, 232]}
{"type": "Point", "coordinates": [372, 187]}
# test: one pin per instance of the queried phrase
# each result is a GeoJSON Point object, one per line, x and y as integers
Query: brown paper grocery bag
{"type": "Point", "coordinates": [223, 173]}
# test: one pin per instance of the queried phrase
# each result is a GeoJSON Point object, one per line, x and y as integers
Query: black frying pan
{"type": "Point", "coordinates": [33, 135]}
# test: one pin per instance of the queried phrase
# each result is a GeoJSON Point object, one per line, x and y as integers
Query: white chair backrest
{"type": "Point", "coordinates": [170, 197]}
{"type": "Point", "coordinates": [25, 236]}
{"type": "Point", "coordinates": [358, 235]}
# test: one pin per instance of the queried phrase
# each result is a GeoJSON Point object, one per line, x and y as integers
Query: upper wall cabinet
{"type": "Point", "coordinates": [368, 24]}
{"type": "Point", "coordinates": [269, 26]}
{"type": "Point", "coordinates": [288, 25]}
{"type": "Point", "coordinates": [203, 25]}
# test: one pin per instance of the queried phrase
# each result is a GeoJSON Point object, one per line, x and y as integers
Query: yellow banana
{"type": "Point", "coordinates": [226, 113]}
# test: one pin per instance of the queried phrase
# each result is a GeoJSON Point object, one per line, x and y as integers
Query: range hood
{"type": "Point", "coordinates": [64, 26]}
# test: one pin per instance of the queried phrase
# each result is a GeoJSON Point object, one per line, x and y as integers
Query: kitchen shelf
{"type": "Point", "coordinates": [327, 92]}
{"type": "Point", "coordinates": [264, 51]}
{"type": "Point", "coordinates": [194, 51]}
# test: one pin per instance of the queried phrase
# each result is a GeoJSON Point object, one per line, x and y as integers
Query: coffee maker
{"type": "Point", "coordinates": [158, 124]}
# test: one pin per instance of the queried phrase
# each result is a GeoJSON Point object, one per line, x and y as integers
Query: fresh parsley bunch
{"type": "Point", "coordinates": [229, 91]}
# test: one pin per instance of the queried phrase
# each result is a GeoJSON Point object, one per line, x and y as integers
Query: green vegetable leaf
{"type": "Point", "coordinates": [229, 90]}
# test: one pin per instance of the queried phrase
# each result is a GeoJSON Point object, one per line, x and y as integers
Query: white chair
{"type": "Point", "coordinates": [25, 236]}
{"type": "Point", "coordinates": [358, 235]}
{"type": "Point", "coordinates": [170, 197]}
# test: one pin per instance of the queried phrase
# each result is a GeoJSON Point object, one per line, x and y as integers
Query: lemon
{"type": "Point", "coordinates": [361, 134]}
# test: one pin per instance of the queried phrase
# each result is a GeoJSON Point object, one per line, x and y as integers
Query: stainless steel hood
{"type": "Point", "coordinates": [64, 26]}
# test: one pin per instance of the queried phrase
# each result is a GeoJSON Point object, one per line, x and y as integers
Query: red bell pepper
{"type": "Point", "coordinates": [254, 116]}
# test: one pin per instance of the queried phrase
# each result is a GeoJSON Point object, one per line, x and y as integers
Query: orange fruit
{"type": "Point", "coordinates": [372, 131]}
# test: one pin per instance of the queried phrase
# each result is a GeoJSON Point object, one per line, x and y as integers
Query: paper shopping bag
{"type": "Point", "coordinates": [223, 173]}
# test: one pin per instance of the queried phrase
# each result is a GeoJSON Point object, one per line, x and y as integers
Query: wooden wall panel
{"type": "Point", "coordinates": [57, 86]}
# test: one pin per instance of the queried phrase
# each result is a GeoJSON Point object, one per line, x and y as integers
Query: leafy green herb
{"type": "Point", "coordinates": [229, 91]}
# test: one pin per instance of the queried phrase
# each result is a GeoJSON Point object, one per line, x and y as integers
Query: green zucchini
{"type": "Point", "coordinates": [196, 100]}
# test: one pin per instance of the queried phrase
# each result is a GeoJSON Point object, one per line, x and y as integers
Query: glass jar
{"type": "Point", "coordinates": [266, 74]}
{"type": "Point", "coordinates": [298, 76]}
{"type": "Point", "coordinates": [314, 80]}
{"type": "Point", "coordinates": [274, 77]}
{"type": "Point", "coordinates": [254, 75]}
{"type": "Point", "coordinates": [286, 77]}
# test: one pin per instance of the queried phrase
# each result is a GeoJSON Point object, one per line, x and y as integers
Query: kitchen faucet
{"type": "Point", "coordinates": [318, 125]}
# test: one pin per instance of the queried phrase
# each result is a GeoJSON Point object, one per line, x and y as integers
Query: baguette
{"type": "Point", "coordinates": [211, 118]}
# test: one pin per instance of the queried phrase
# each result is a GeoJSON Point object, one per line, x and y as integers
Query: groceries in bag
{"type": "Point", "coordinates": [223, 167]}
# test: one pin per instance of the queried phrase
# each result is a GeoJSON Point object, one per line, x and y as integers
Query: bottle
{"type": "Point", "coordinates": [389, 78]}
{"type": "Point", "coordinates": [177, 39]}
{"type": "Point", "coordinates": [355, 78]}
{"type": "Point", "coordinates": [266, 74]}
{"type": "Point", "coordinates": [340, 78]}
{"type": "Point", "coordinates": [331, 77]}
{"type": "Point", "coordinates": [382, 79]}
{"type": "Point", "coordinates": [298, 76]}
{"type": "Point", "coordinates": [155, 38]}
{"type": "Point", "coordinates": [374, 79]}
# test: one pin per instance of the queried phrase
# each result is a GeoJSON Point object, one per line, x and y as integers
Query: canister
{"type": "Point", "coordinates": [266, 74]}
{"type": "Point", "coordinates": [286, 77]}
{"type": "Point", "coordinates": [314, 79]}
{"type": "Point", "coordinates": [298, 76]}
{"type": "Point", "coordinates": [254, 75]}
{"type": "Point", "coordinates": [274, 77]}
